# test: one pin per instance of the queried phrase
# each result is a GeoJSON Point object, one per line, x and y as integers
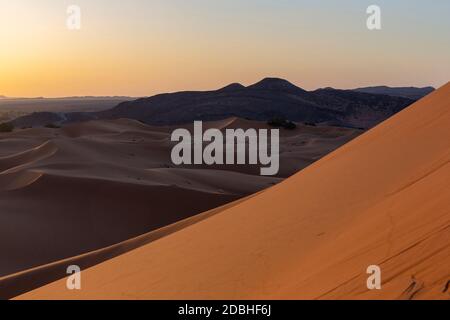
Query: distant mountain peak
{"type": "Point", "coordinates": [404, 92]}
{"type": "Point", "coordinates": [232, 87]}
{"type": "Point", "coordinates": [275, 84]}
{"type": "Point", "coordinates": [398, 88]}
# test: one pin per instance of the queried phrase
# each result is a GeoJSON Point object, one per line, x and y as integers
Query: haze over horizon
{"type": "Point", "coordinates": [200, 90]}
{"type": "Point", "coordinates": [144, 48]}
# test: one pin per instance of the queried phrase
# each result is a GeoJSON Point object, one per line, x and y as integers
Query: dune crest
{"type": "Point", "coordinates": [382, 200]}
{"type": "Point", "coordinates": [14, 162]}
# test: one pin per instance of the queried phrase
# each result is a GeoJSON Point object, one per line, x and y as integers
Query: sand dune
{"type": "Point", "coordinates": [90, 186]}
{"type": "Point", "coordinates": [21, 282]}
{"type": "Point", "coordinates": [383, 199]}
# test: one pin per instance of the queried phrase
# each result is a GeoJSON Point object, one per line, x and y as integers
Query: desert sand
{"type": "Point", "coordinates": [80, 193]}
{"type": "Point", "coordinates": [382, 199]}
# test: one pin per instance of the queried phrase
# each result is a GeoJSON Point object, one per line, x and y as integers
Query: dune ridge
{"type": "Point", "coordinates": [382, 199]}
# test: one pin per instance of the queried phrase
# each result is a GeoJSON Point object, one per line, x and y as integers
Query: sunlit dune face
{"type": "Point", "coordinates": [144, 47]}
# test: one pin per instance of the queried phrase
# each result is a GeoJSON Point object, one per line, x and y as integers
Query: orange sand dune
{"type": "Point", "coordinates": [88, 187]}
{"type": "Point", "coordinates": [382, 199]}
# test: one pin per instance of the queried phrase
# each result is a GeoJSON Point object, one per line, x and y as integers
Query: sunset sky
{"type": "Point", "coordinates": [143, 47]}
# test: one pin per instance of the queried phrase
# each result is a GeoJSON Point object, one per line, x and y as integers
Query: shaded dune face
{"type": "Point", "coordinates": [382, 199]}
{"type": "Point", "coordinates": [86, 187]}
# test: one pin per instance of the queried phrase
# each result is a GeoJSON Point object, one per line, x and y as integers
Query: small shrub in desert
{"type": "Point", "coordinates": [6, 127]}
{"type": "Point", "coordinates": [289, 125]}
{"type": "Point", "coordinates": [282, 123]}
{"type": "Point", "coordinates": [52, 126]}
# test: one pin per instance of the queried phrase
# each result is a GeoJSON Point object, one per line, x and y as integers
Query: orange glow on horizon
{"type": "Point", "coordinates": [146, 49]}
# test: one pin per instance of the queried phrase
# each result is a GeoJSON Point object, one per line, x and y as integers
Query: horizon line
{"type": "Point", "coordinates": [118, 96]}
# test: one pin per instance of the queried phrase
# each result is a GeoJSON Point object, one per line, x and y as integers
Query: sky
{"type": "Point", "coordinates": [144, 47]}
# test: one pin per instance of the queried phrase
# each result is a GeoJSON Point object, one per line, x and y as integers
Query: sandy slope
{"type": "Point", "coordinates": [382, 199]}
{"type": "Point", "coordinates": [89, 186]}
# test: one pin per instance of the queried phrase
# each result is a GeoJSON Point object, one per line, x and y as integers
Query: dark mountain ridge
{"type": "Point", "coordinates": [405, 92]}
{"type": "Point", "coordinates": [263, 101]}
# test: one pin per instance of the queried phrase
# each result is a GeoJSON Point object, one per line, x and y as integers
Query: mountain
{"type": "Point", "coordinates": [232, 87]}
{"type": "Point", "coordinates": [2, 97]}
{"type": "Point", "coordinates": [263, 101]}
{"type": "Point", "coordinates": [275, 84]}
{"type": "Point", "coordinates": [405, 92]}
